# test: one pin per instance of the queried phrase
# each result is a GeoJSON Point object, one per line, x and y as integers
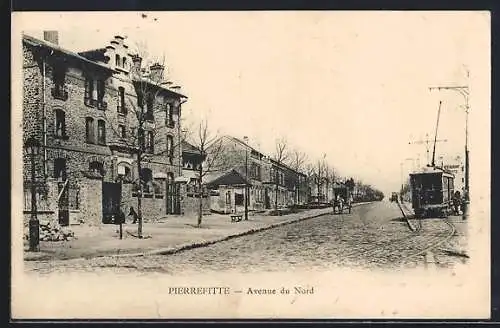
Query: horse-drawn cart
{"type": "Point", "coordinates": [341, 199]}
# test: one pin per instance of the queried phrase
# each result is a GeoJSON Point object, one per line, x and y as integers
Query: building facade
{"type": "Point", "coordinates": [192, 159]}
{"type": "Point", "coordinates": [456, 166]}
{"type": "Point", "coordinates": [97, 116]}
{"type": "Point", "coordinates": [257, 172]}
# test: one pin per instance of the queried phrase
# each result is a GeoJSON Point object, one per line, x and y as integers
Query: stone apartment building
{"type": "Point", "coordinates": [84, 109]}
{"type": "Point", "coordinates": [238, 165]}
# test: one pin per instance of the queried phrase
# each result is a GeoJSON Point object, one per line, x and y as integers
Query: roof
{"type": "Point", "coordinates": [241, 142]}
{"type": "Point", "coordinates": [189, 148]}
{"type": "Point", "coordinates": [430, 169]}
{"type": "Point", "coordinates": [41, 43]}
{"type": "Point", "coordinates": [270, 158]}
{"type": "Point", "coordinates": [230, 178]}
{"type": "Point", "coordinates": [94, 54]}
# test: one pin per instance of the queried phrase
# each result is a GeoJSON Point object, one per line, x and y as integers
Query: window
{"type": "Point", "coordinates": [140, 100]}
{"type": "Point", "coordinates": [89, 127]}
{"type": "Point", "coordinates": [169, 116]}
{"type": "Point", "coordinates": [228, 197]}
{"type": "Point", "coordinates": [149, 109]}
{"type": "Point", "coordinates": [255, 171]}
{"type": "Point", "coordinates": [60, 169]}
{"type": "Point", "coordinates": [122, 133]}
{"type": "Point", "coordinates": [89, 88]}
{"type": "Point", "coordinates": [158, 187]}
{"type": "Point", "coordinates": [124, 61]}
{"type": "Point", "coordinates": [101, 89]}
{"type": "Point", "coordinates": [238, 199]}
{"type": "Point", "coordinates": [124, 172]}
{"type": "Point", "coordinates": [101, 132]}
{"type": "Point", "coordinates": [149, 147]}
{"type": "Point", "coordinates": [60, 124]}
{"type": "Point", "coordinates": [170, 148]}
{"type": "Point", "coordinates": [117, 60]}
{"type": "Point", "coordinates": [147, 180]}
{"type": "Point", "coordinates": [96, 167]}
{"type": "Point", "coordinates": [141, 139]}
{"type": "Point", "coordinates": [59, 90]}
{"type": "Point", "coordinates": [121, 101]}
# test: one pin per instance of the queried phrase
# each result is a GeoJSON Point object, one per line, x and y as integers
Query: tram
{"type": "Point", "coordinates": [432, 191]}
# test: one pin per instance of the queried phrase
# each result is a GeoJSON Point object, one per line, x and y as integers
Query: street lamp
{"type": "Point", "coordinates": [32, 145]}
{"type": "Point", "coordinates": [245, 138]}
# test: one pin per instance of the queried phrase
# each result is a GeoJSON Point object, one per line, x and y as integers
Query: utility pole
{"type": "Point", "coordinates": [246, 176]}
{"type": "Point", "coordinates": [464, 91]}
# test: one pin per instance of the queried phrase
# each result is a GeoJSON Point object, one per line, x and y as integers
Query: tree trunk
{"type": "Point", "coordinates": [139, 197]}
{"type": "Point", "coordinates": [276, 194]}
{"type": "Point", "coordinates": [200, 202]}
{"type": "Point", "coordinates": [318, 184]}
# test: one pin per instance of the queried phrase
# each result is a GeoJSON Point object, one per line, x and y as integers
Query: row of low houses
{"type": "Point", "coordinates": [78, 106]}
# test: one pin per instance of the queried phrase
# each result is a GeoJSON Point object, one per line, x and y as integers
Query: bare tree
{"type": "Point", "coordinates": [280, 156]}
{"type": "Point", "coordinates": [210, 147]}
{"type": "Point", "coordinates": [143, 129]}
{"type": "Point", "coordinates": [317, 174]}
{"type": "Point", "coordinates": [297, 161]}
{"type": "Point", "coordinates": [330, 178]}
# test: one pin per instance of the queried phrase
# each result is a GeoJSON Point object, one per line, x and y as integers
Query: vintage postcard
{"type": "Point", "coordinates": [260, 164]}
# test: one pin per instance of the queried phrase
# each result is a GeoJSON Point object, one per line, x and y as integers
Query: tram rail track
{"type": "Point", "coordinates": [418, 242]}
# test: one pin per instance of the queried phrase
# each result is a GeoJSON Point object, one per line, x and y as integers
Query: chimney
{"type": "Point", "coordinates": [51, 36]}
{"type": "Point", "coordinates": [136, 66]}
{"type": "Point", "coordinates": [156, 72]}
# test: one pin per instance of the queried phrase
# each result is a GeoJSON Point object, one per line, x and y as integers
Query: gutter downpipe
{"type": "Point", "coordinates": [44, 118]}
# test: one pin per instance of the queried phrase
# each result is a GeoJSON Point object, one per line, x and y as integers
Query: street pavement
{"type": "Point", "coordinates": [373, 236]}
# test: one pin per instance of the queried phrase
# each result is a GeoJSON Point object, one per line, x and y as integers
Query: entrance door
{"type": "Point", "coordinates": [173, 198]}
{"type": "Point", "coordinates": [63, 204]}
{"type": "Point", "coordinates": [111, 198]}
{"type": "Point", "coordinates": [268, 201]}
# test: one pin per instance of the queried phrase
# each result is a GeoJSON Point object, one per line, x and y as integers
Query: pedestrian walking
{"type": "Point", "coordinates": [457, 202]}
{"type": "Point", "coordinates": [133, 213]}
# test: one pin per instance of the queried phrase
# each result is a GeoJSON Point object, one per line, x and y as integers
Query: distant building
{"type": "Point", "coordinates": [456, 166]}
{"type": "Point", "coordinates": [192, 159]}
{"type": "Point", "coordinates": [239, 165]}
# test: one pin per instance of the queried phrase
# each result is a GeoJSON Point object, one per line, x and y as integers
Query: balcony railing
{"type": "Point", "coordinates": [121, 109]}
{"type": "Point", "coordinates": [170, 123]}
{"type": "Point", "coordinates": [90, 102]}
{"type": "Point", "coordinates": [60, 92]}
{"type": "Point", "coordinates": [102, 105]}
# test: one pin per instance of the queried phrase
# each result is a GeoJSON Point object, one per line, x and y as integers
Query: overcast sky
{"type": "Point", "coordinates": [351, 85]}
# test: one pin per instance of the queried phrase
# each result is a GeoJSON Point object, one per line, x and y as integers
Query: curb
{"type": "Point", "coordinates": [406, 217]}
{"type": "Point", "coordinates": [174, 250]}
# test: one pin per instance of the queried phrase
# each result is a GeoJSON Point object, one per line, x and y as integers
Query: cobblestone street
{"type": "Point", "coordinates": [373, 236]}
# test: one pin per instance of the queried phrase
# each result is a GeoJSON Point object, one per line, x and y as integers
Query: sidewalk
{"type": "Point", "coordinates": [170, 235]}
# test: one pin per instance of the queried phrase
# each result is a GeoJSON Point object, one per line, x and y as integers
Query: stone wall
{"type": "Point", "coordinates": [91, 201]}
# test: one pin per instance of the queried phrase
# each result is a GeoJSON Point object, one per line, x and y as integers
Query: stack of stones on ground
{"type": "Point", "coordinates": [53, 232]}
